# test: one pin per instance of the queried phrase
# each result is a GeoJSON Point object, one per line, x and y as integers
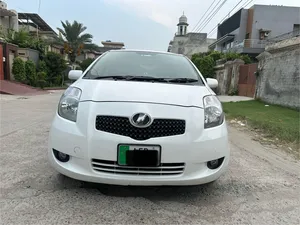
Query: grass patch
{"type": "Point", "coordinates": [276, 121]}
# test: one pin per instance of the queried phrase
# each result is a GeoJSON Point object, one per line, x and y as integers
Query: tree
{"type": "Point", "coordinates": [20, 38]}
{"type": "Point", "coordinates": [216, 55]}
{"type": "Point", "coordinates": [56, 67]}
{"type": "Point", "coordinates": [38, 44]}
{"type": "Point", "coordinates": [206, 62]}
{"type": "Point", "coordinates": [18, 69]}
{"type": "Point", "coordinates": [86, 63]}
{"type": "Point", "coordinates": [23, 39]}
{"type": "Point", "coordinates": [74, 40]}
{"type": "Point", "coordinates": [206, 66]}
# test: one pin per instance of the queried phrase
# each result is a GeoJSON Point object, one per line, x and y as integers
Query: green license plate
{"type": "Point", "coordinates": [139, 155]}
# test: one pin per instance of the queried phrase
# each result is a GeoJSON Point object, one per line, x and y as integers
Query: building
{"type": "Point", "coordinates": [36, 26]}
{"type": "Point", "coordinates": [249, 30]}
{"type": "Point", "coordinates": [188, 43]}
{"type": "Point", "coordinates": [112, 45]}
{"type": "Point", "coordinates": [8, 19]}
{"type": "Point", "coordinates": [30, 22]}
{"type": "Point", "coordinates": [107, 45]}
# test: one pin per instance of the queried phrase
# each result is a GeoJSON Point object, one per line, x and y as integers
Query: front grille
{"type": "Point", "coordinates": [165, 169]}
{"type": "Point", "coordinates": [122, 126]}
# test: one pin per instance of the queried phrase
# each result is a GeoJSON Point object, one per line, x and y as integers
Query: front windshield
{"type": "Point", "coordinates": [136, 63]}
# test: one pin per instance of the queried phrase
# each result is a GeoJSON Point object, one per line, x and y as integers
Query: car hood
{"type": "Point", "coordinates": [133, 91]}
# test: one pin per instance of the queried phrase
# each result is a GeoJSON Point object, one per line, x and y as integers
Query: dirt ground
{"type": "Point", "coordinates": [262, 184]}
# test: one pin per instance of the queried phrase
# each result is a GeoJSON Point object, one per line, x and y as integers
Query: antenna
{"type": "Point", "coordinates": [39, 7]}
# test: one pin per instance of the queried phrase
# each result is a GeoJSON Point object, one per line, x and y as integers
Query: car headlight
{"type": "Point", "coordinates": [213, 111]}
{"type": "Point", "coordinates": [68, 104]}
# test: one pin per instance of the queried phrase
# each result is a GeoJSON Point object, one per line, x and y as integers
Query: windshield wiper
{"type": "Point", "coordinates": [147, 78]}
{"type": "Point", "coordinates": [130, 77]}
{"type": "Point", "coordinates": [109, 77]}
{"type": "Point", "coordinates": [182, 80]}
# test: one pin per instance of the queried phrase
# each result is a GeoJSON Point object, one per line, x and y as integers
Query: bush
{"type": "Point", "coordinates": [199, 55]}
{"type": "Point", "coordinates": [206, 66]}
{"type": "Point", "coordinates": [232, 56]}
{"type": "Point", "coordinates": [39, 45]}
{"type": "Point", "coordinates": [41, 79]}
{"type": "Point", "coordinates": [85, 63]}
{"type": "Point", "coordinates": [42, 67]}
{"type": "Point", "coordinates": [233, 92]}
{"type": "Point", "coordinates": [30, 72]}
{"type": "Point", "coordinates": [246, 59]}
{"type": "Point", "coordinates": [55, 68]}
{"type": "Point", "coordinates": [206, 62]}
{"type": "Point", "coordinates": [23, 39]}
{"type": "Point", "coordinates": [18, 69]}
{"type": "Point", "coordinates": [216, 55]}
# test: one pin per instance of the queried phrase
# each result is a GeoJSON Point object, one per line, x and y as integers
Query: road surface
{"type": "Point", "coordinates": [261, 187]}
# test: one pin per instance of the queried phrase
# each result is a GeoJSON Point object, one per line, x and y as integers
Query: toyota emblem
{"type": "Point", "coordinates": [141, 120]}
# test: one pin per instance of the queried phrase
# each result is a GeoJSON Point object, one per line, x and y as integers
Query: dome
{"type": "Point", "coordinates": [183, 19]}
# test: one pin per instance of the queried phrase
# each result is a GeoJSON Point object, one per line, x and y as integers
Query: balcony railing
{"type": "Point", "coordinates": [256, 43]}
{"type": "Point", "coordinates": [294, 33]}
{"type": "Point", "coordinates": [247, 43]}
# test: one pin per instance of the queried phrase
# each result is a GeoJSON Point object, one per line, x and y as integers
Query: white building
{"type": "Point", "coordinates": [8, 18]}
{"type": "Point", "coordinates": [188, 43]}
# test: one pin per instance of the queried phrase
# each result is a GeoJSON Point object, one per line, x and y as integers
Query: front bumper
{"type": "Point", "coordinates": [83, 143]}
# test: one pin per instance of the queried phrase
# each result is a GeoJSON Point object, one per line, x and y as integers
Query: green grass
{"type": "Point", "coordinates": [276, 121]}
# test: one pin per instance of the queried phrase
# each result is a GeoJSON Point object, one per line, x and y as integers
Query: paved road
{"type": "Point", "coordinates": [226, 98]}
{"type": "Point", "coordinates": [261, 187]}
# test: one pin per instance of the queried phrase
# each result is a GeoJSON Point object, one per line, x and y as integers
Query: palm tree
{"type": "Point", "coordinates": [74, 40]}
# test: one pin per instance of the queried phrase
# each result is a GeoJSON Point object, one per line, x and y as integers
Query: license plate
{"type": "Point", "coordinates": [139, 155]}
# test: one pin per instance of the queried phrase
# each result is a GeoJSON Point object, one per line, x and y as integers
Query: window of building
{"type": "Point", "coordinates": [263, 34]}
{"type": "Point", "coordinates": [180, 30]}
{"type": "Point", "coordinates": [247, 36]}
{"type": "Point", "coordinates": [296, 30]}
{"type": "Point", "coordinates": [180, 50]}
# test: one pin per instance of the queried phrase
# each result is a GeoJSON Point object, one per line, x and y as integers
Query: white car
{"type": "Point", "coordinates": [140, 118]}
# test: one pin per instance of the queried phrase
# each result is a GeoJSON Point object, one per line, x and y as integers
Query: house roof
{"type": "Point", "coordinates": [221, 40]}
{"type": "Point", "coordinates": [35, 19]}
{"type": "Point", "coordinates": [5, 12]}
{"type": "Point", "coordinates": [112, 43]}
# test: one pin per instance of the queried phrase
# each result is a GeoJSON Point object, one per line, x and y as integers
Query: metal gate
{"type": "Point", "coordinates": [1, 63]}
{"type": "Point", "coordinates": [247, 80]}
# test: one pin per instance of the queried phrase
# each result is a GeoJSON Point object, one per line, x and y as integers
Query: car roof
{"type": "Point", "coordinates": [140, 50]}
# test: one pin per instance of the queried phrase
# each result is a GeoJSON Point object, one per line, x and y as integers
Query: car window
{"type": "Point", "coordinates": [158, 65]}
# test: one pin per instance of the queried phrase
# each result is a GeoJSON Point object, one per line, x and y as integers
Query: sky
{"type": "Point", "coordinates": [140, 24]}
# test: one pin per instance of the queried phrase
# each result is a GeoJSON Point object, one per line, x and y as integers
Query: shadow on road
{"type": "Point", "coordinates": [153, 192]}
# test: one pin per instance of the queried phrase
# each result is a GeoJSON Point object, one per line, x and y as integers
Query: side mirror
{"type": "Point", "coordinates": [75, 74]}
{"type": "Point", "coordinates": [212, 83]}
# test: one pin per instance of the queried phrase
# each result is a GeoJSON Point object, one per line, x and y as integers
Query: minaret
{"type": "Point", "coordinates": [182, 25]}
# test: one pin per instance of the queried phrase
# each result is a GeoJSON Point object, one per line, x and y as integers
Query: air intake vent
{"type": "Point", "coordinates": [165, 169]}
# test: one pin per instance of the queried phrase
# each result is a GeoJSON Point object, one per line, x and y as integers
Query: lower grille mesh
{"type": "Point", "coordinates": [165, 169]}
